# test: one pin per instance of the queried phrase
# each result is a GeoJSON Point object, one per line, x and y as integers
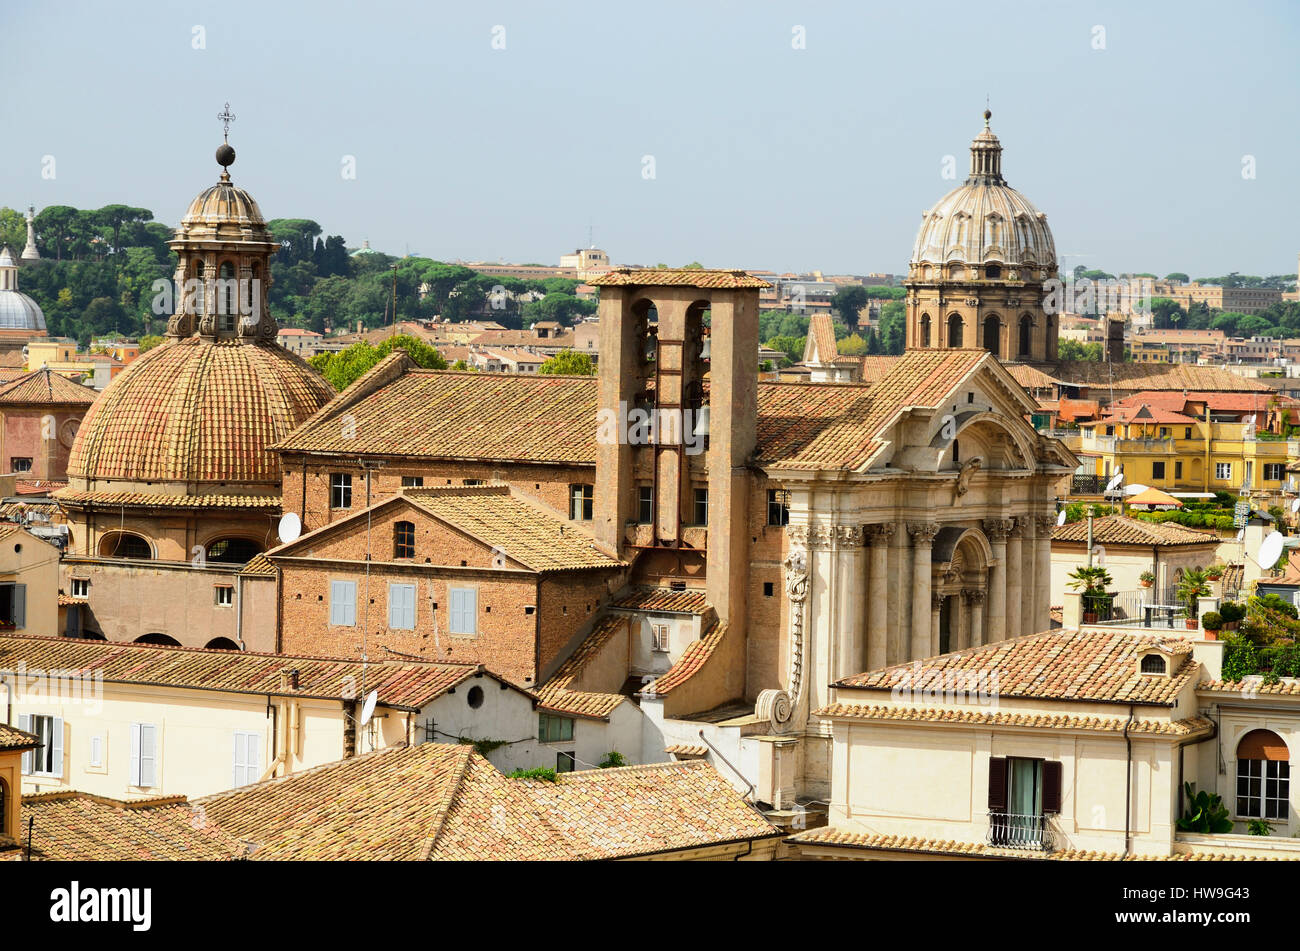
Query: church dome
{"type": "Point", "coordinates": [984, 221]}
{"type": "Point", "coordinates": [17, 310]}
{"type": "Point", "coordinates": [224, 212]}
{"type": "Point", "coordinates": [198, 411]}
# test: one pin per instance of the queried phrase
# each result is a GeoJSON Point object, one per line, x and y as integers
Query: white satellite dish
{"type": "Point", "coordinates": [1114, 483]}
{"type": "Point", "coordinates": [290, 527]}
{"type": "Point", "coordinates": [1295, 505]}
{"type": "Point", "coordinates": [1060, 519]}
{"type": "Point", "coordinates": [1241, 534]}
{"type": "Point", "coordinates": [368, 708]}
{"type": "Point", "coordinates": [1270, 551]}
{"type": "Point", "coordinates": [1136, 489]}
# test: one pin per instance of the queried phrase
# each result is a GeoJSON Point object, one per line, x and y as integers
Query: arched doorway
{"type": "Point", "coordinates": [954, 330]}
{"type": "Point", "coordinates": [1025, 336]}
{"type": "Point", "coordinates": [158, 640]}
{"type": "Point", "coordinates": [125, 545]}
{"type": "Point", "coordinates": [925, 330]}
{"type": "Point", "coordinates": [993, 334]}
{"type": "Point", "coordinates": [961, 558]}
{"type": "Point", "coordinates": [221, 644]}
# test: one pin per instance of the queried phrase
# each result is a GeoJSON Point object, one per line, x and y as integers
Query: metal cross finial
{"type": "Point", "coordinates": [226, 117]}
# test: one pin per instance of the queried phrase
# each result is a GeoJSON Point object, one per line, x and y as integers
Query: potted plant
{"type": "Point", "coordinates": [1147, 579]}
{"type": "Point", "coordinates": [1214, 572]}
{"type": "Point", "coordinates": [1092, 583]}
{"type": "Point", "coordinates": [1192, 586]}
{"type": "Point", "coordinates": [1232, 614]}
{"type": "Point", "coordinates": [1213, 623]}
{"type": "Point", "coordinates": [1206, 813]}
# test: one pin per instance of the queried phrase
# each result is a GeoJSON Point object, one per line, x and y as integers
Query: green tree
{"type": "Point", "coordinates": [1072, 350]}
{"type": "Point", "coordinates": [149, 341]}
{"type": "Point", "coordinates": [1178, 276]}
{"type": "Point", "coordinates": [792, 347]}
{"type": "Point", "coordinates": [893, 327]}
{"type": "Point", "coordinates": [568, 363]}
{"type": "Point", "coordinates": [853, 345]}
{"type": "Point", "coordinates": [848, 301]}
{"type": "Point", "coordinates": [342, 369]}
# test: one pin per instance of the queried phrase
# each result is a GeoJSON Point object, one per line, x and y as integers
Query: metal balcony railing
{"type": "Point", "coordinates": [1007, 830]}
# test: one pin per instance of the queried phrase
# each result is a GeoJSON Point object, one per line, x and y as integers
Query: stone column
{"type": "Point", "coordinates": [997, 530]}
{"type": "Point", "coordinates": [974, 598]}
{"type": "Point", "coordinates": [848, 625]}
{"type": "Point", "coordinates": [922, 539]}
{"type": "Point", "coordinates": [962, 639]}
{"type": "Point", "coordinates": [878, 596]}
{"type": "Point", "coordinates": [935, 621]}
{"type": "Point", "coordinates": [1043, 573]}
{"type": "Point", "coordinates": [1014, 579]}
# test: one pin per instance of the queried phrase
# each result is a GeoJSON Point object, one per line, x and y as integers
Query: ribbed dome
{"type": "Point", "coordinates": [985, 220]}
{"type": "Point", "coordinates": [224, 212]}
{"type": "Point", "coordinates": [198, 410]}
{"type": "Point", "coordinates": [17, 310]}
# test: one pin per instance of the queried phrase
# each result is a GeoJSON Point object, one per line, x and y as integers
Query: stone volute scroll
{"type": "Point", "coordinates": [778, 706]}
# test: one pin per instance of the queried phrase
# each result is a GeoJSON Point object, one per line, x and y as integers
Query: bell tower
{"type": "Point", "coordinates": [677, 425]}
{"type": "Point", "coordinates": [223, 252]}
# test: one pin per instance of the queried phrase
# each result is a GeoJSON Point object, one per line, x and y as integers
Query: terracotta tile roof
{"type": "Point", "coordinates": [979, 717]}
{"type": "Point", "coordinates": [198, 411]}
{"type": "Point", "coordinates": [821, 334]}
{"type": "Point", "coordinates": [521, 339]}
{"type": "Point", "coordinates": [1254, 684]}
{"type": "Point", "coordinates": [460, 415]}
{"type": "Point", "coordinates": [66, 600]}
{"type": "Point", "coordinates": [559, 693]}
{"type": "Point", "coordinates": [16, 511]}
{"type": "Point", "coordinates": [39, 487]}
{"type": "Point", "coordinates": [1216, 401]}
{"type": "Point", "coordinates": [1066, 665]}
{"type": "Point", "coordinates": [1156, 376]}
{"type": "Point", "coordinates": [1031, 378]}
{"type": "Point", "coordinates": [405, 685]}
{"type": "Point", "coordinates": [807, 440]}
{"type": "Point", "coordinates": [692, 659]}
{"type": "Point", "coordinates": [687, 750]}
{"type": "Point", "coordinates": [687, 277]}
{"type": "Point", "coordinates": [259, 564]}
{"type": "Point", "coordinates": [1144, 414]}
{"type": "Point", "coordinates": [146, 500]}
{"type": "Point", "coordinates": [876, 366]}
{"type": "Point", "coordinates": [845, 838]}
{"type": "Point", "coordinates": [11, 738]}
{"type": "Point", "coordinates": [44, 386]}
{"type": "Point", "coordinates": [643, 598]}
{"type": "Point", "coordinates": [521, 530]}
{"type": "Point", "coordinates": [79, 827]}
{"type": "Point", "coordinates": [1122, 530]}
{"type": "Point", "coordinates": [442, 802]}
{"type": "Point", "coordinates": [1234, 575]}
{"type": "Point", "coordinates": [642, 810]}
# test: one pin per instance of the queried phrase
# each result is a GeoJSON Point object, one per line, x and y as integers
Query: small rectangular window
{"type": "Point", "coordinates": [1157, 470]}
{"type": "Point", "coordinates": [412, 482]}
{"type": "Point", "coordinates": [340, 490]}
{"type": "Point", "coordinates": [1187, 432]}
{"type": "Point", "coordinates": [20, 464]}
{"type": "Point", "coordinates": [553, 729]}
{"type": "Point", "coordinates": [700, 507]}
{"type": "Point", "coordinates": [768, 589]}
{"type": "Point", "coordinates": [1274, 471]}
{"type": "Point", "coordinates": [566, 762]}
{"type": "Point", "coordinates": [645, 504]}
{"type": "Point", "coordinates": [581, 502]}
{"type": "Point", "coordinates": [404, 540]}
{"type": "Point", "coordinates": [81, 587]}
{"type": "Point", "coordinates": [47, 758]}
{"type": "Point", "coordinates": [1178, 470]}
{"type": "Point", "coordinates": [225, 595]}
{"type": "Point", "coordinates": [659, 637]}
{"type": "Point", "coordinates": [96, 752]}
{"type": "Point", "coordinates": [778, 507]}
{"type": "Point", "coordinates": [1223, 471]}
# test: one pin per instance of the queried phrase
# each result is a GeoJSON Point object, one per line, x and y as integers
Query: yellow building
{"type": "Point", "coordinates": [1173, 451]}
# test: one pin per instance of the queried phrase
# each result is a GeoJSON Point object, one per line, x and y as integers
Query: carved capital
{"type": "Point", "coordinates": [997, 529]}
{"type": "Point", "coordinates": [849, 536]}
{"type": "Point", "coordinates": [881, 532]}
{"type": "Point", "coordinates": [1019, 527]}
{"type": "Point", "coordinates": [973, 595]}
{"type": "Point", "coordinates": [923, 532]}
{"type": "Point", "coordinates": [936, 601]}
{"type": "Point", "coordinates": [1045, 524]}
{"type": "Point", "coordinates": [798, 535]}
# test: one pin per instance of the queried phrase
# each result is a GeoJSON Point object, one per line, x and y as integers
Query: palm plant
{"type": "Point", "coordinates": [1090, 580]}
{"type": "Point", "coordinates": [1194, 584]}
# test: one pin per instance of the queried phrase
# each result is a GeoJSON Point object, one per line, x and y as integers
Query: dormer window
{"type": "Point", "coordinates": [1153, 664]}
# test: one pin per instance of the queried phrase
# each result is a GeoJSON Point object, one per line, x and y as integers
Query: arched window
{"type": "Point", "coordinates": [125, 545]}
{"type": "Point", "coordinates": [954, 330]}
{"type": "Point", "coordinates": [1153, 664]}
{"type": "Point", "coordinates": [992, 271]}
{"type": "Point", "coordinates": [233, 551]}
{"type": "Point", "coordinates": [404, 540]}
{"type": "Point", "coordinates": [1024, 336]}
{"type": "Point", "coordinates": [1263, 776]}
{"type": "Point", "coordinates": [221, 644]}
{"type": "Point", "coordinates": [925, 330]}
{"type": "Point", "coordinates": [161, 640]}
{"type": "Point", "coordinates": [992, 333]}
{"type": "Point", "coordinates": [227, 299]}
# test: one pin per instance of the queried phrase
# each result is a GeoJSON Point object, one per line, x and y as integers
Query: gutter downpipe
{"type": "Point", "coordinates": [718, 752]}
{"type": "Point", "coordinates": [1128, 778]}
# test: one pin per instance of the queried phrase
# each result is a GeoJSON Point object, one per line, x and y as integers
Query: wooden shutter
{"type": "Point", "coordinates": [236, 760]}
{"type": "Point", "coordinates": [401, 606]}
{"type": "Point", "coordinates": [25, 724]}
{"type": "Point", "coordinates": [997, 784]}
{"type": "Point", "coordinates": [56, 746]}
{"type": "Point", "coordinates": [148, 755]}
{"type": "Point", "coordinates": [343, 603]}
{"type": "Point", "coordinates": [135, 754]}
{"type": "Point", "coordinates": [253, 757]}
{"type": "Point", "coordinates": [20, 606]}
{"type": "Point", "coordinates": [1051, 788]}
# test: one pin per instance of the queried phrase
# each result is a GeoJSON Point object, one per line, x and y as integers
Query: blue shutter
{"type": "Point", "coordinates": [401, 606]}
{"type": "Point", "coordinates": [343, 603]}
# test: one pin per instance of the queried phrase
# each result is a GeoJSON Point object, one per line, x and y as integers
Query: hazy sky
{"type": "Point", "coordinates": [765, 155]}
